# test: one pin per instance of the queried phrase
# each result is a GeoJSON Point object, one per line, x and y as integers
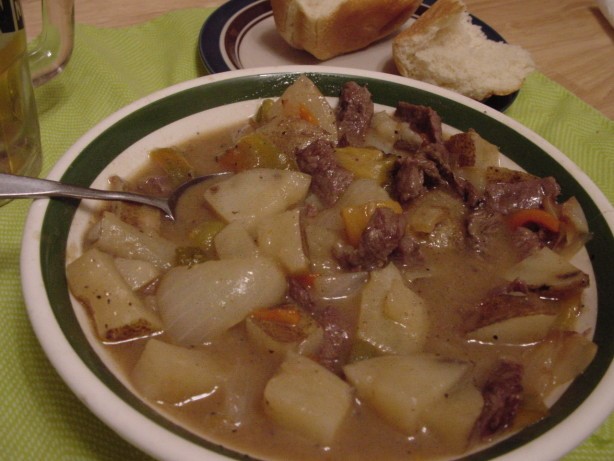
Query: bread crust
{"type": "Point", "coordinates": [439, 15]}
{"type": "Point", "coordinates": [350, 26]}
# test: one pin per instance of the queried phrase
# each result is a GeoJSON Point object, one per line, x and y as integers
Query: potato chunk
{"type": "Point", "coordinates": [320, 243]}
{"type": "Point", "coordinates": [121, 239]}
{"type": "Point", "coordinates": [118, 312]}
{"type": "Point", "coordinates": [453, 417]}
{"type": "Point", "coordinates": [307, 398]}
{"type": "Point", "coordinates": [233, 241]}
{"type": "Point", "coordinates": [548, 272]}
{"type": "Point", "coordinates": [175, 374]}
{"type": "Point", "coordinates": [363, 191]}
{"type": "Point", "coordinates": [402, 387]}
{"type": "Point", "coordinates": [304, 100]}
{"type": "Point", "coordinates": [280, 238]}
{"type": "Point", "coordinates": [253, 194]}
{"type": "Point", "coordinates": [199, 302]}
{"type": "Point", "coordinates": [392, 318]}
{"type": "Point", "coordinates": [516, 330]}
{"type": "Point", "coordinates": [136, 272]}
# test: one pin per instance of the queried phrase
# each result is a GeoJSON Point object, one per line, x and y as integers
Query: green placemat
{"type": "Point", "coordinates": [40, 419]}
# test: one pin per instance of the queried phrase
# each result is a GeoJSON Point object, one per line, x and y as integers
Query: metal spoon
{"type": "Point", "coordinates": [13, 186]}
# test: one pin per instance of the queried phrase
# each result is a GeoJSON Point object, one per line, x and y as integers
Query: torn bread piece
{"type": "Point", "coordinates": [445, 48]}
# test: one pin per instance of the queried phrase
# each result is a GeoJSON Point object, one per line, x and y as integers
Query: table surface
{"type": "Point", "coordinates": [570, 40]}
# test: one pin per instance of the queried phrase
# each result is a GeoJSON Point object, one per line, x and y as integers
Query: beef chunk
{"type": "Point", "coordinates": [502, 393]}
{"type": "Point", "coordinates": [508, 197]}
{"type": "Point", "coordinates": [466, 191]}
{"type": "Point", "coordinates": [414, 175]}
{"type": "Point", "coordinates": [300, 295]}
{"type": "Point", "coordinates": [409, 252]}
{"type": "Point", "coordinates": [328, 179]}
{"type": "Point", "coordinates": [441, 157]}
{"type": "Point", "coordinates": [381, 237]}
{"type": "Point", "coordinates": [526, 241]}
{"type": "Point", "coordinates": [354, 114]}
{"type": "Point", "coordinates": [422, 119]}
{"type": "Point", "coordinates": [487, 221]}
{"type": "Point", "coordinates": [337, 340]}
{"type": "Point", "coordinates": [427, 169]}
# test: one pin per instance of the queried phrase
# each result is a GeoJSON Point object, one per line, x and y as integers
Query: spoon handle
{"type": "Point", "coordinates": [13, 186]}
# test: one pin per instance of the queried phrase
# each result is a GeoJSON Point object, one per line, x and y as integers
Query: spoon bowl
{"type": "Point", "coordinates": [14, 186]}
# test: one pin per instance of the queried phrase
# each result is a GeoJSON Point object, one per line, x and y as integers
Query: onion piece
{"type": "Point", "coordinates": [339, 286]}
{"type": "Point", "coordinates": [574, 229]}
{"type": "Point", "coordinates": [199, 302]}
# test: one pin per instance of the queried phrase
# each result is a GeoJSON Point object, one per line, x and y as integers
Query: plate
{"type": "Point", "coordinates": [241, 34]}
{"type": "Point", "coordinates": [120, 143]}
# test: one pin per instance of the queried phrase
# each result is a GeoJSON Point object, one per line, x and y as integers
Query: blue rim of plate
{"type": "Point", "coordinates": [104, 146]}
{"type": "Point", "coordinates": [220, 38]}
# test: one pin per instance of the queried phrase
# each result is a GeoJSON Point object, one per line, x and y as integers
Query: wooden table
{"type": "Point", "coordinates": [570, 40]}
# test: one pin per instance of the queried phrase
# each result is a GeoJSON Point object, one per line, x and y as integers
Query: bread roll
{"type": "Point", "coordinates": [443, 47]}
{"type": "Point", "coordinates": [328, 28]}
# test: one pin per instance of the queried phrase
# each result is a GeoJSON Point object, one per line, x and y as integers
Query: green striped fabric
{"type": "Point", "coordinates": [40, 419]}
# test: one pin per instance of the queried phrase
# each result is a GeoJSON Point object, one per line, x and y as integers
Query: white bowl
{"type": "Point", "coordinates": [120, 144]}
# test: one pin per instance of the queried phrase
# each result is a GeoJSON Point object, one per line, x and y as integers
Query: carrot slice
{"type": "Point", "coordinates": [534, 216]}
{"type": "Point", "coordinates": [306, 115]}
{"type": "Point", "coordinates": [305, 280]}
{"type": "Point", "coordinates": [286, 315]}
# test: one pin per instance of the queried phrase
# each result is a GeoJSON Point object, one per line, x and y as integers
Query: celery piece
{"type": "Point", "coordinates": [255, 150]}
{"type": "Point", "coordinates": [189, 256]}
{"type": "Point", "coordinates": [174, 164]}
{"type": "Point", "coordinates": [202, 235]}
{"type": "Point", "coordinates": [263, 152]}
{"type": "Point", "coordinates": [264, 111]}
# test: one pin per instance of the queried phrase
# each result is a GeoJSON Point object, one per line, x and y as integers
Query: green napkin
{"type": "Point", "coordinates": [40, 418]}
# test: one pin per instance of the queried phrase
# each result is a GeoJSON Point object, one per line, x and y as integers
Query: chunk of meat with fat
{"type": "Point", "coordinates": [422, 119]}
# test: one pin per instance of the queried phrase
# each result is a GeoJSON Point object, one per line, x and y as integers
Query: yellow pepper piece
{"type": "Point", "coordinates": [366, 162]}
{"type": "Point", "coordinates": [174, 164]}
{"type": "Point", "coordinates": [357, 217]}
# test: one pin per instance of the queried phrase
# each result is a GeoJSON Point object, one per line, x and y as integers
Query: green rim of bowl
{"type": "Point", "coordinates": [157, 114]}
